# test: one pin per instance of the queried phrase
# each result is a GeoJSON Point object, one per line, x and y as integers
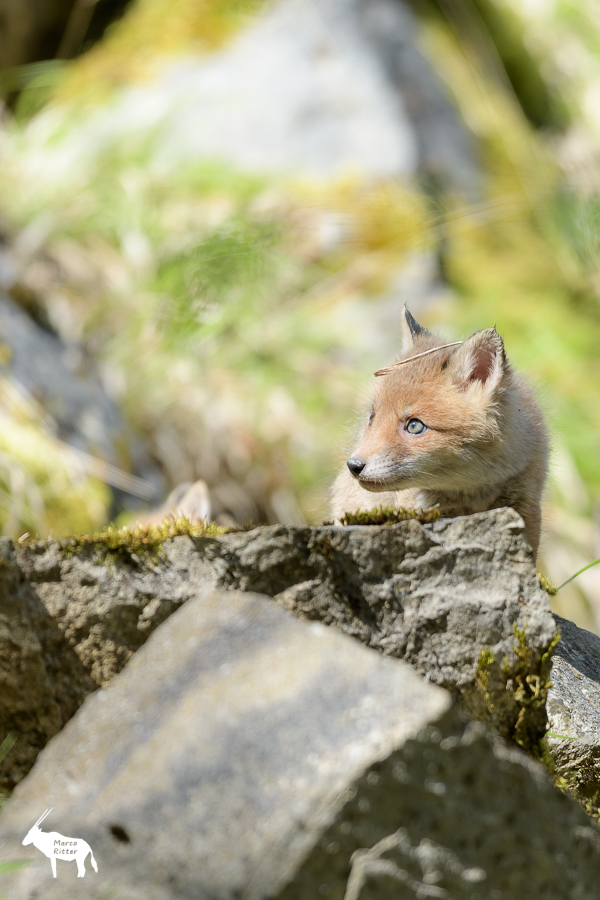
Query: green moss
{"type": "Point", "coordinates": [531, 683]}
{"type": "Point", "coordinates": [388, 516]}
{"type": "Point", "coordinates": [482, 676]}
{"type": "Point", "coordinates": [547, 585]}
{"type": "Point", "coordinates": [131, 543]}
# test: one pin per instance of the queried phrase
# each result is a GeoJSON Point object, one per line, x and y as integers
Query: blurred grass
{"type": "Point", "coordinates": [535, 271]}
{"type": "Point", "coordinates": [41, 489]}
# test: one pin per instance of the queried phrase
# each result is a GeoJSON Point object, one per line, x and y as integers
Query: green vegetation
{"type": "Point", "coordinates": [482, 675]}
{"type": "Point", "coordinates": [530, 685]}
{"type": "Point", "coordinates": [527, 678]}
{"type": "Point", "coordinates": [41, 489]}
{"type": "Point", "coordinates": [134, 543]}
{"type": "Point", "coordinates": [547, 585]}
{"type": "Point", "coordinates": [580, 572]}
{"type": "Point", "coordinates": [151, 32]}
{"type": "Point", "coordinates": [494, 35]}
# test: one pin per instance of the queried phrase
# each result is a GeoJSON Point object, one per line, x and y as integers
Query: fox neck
{"type": "Point", "coordinates": [457, 503]}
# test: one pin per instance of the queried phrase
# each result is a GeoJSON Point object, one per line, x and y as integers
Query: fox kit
{"type": "Point", "coordinates": [451, 426]}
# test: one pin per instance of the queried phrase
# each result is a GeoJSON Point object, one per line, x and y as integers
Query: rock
{"type": "Point", "coordinates": [244, 753]}
{"type": "Point", "coordinates": [459, 599]}
{"type": "Point", "coordinates": [317, 92]}
{"type": "Point", "coordinates": [106, 607]}
{"type": "Point", "coordinates": [574, 710]}
{"type": "Point", "coordinates": [42, 682]}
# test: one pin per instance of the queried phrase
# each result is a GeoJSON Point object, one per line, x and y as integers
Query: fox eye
{"type": "Point", "coordinates": [371, 417]}
{"type": "Point", "coordinates": [415, 426]}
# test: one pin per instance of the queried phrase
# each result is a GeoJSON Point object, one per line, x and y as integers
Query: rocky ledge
{"type": "Point", "coordinates": [244, 752]}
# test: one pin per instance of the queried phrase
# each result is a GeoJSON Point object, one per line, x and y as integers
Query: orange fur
{"type": "Point", "coordinates": [484, 446]}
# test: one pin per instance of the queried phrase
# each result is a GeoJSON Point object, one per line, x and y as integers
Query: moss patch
{"type": "Point", "coordinates": [547, 585]}
{"type": "Point", "coordinates": [482, 676]}
{"type": "Point", "coordinates": [389, 516]}
{"type": "Point", "coordinates": [531, 683]}
{"type": "Point", "coordinates": [137, 542]}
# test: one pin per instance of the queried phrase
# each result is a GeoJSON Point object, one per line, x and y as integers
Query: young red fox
{"type": "Point", "coordinates": [455, 428]}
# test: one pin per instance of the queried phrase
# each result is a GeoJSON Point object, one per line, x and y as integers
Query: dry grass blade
{"type": "Point", "coordinates": [388, 369]}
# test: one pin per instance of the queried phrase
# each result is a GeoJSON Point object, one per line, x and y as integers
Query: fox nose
{"type": "Point", "coordinates": [356, 465]}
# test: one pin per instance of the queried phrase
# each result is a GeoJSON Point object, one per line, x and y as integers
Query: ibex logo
{"type": "Point", "coordinates": [57, 846]}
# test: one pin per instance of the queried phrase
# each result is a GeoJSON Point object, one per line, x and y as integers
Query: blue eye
{"type": "Point", "coordinates": [371, 417]}
{"type": "Point", "coordinates": [415, 426]}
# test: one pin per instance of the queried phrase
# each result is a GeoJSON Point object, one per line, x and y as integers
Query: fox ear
{"type": "Point", "coordinates": [481, 359]}
{"type": "Point", "coordinates": [410, 329]}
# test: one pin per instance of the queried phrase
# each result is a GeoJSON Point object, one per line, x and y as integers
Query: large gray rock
{"type": "Point", "coordinates": [458, 599]}
{"type": "Point", "coordinates": [574, 710]}
{"type": "Point", "coordinates": [244, 753]}
{"type": "Point", "coordinates": [437, 595]}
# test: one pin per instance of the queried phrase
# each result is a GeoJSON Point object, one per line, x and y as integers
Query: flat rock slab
{"type": "Point", "coordinates": [244, 753]}
{"type": "Point", "coordinates": [459, 599]}
{"type": "Point", "coordinates": [574, 709]}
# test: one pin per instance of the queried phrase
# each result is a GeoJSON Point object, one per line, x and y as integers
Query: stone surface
{"type": "Point", "coordinates": [574, 709]}
{"type": "Point", "coordinates": [434, 595]}
{"type": "Point", "coordinates": [107, 609]}
{"type": "Point", "coordinates": [42, 681]}
{"type": "Point", "coordinates": [245, 753]}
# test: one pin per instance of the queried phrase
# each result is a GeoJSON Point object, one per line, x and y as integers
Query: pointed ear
{"type": "Point", "coordinates": [480, 359]}
{"type": "Point", "coordinates": [411, 330]}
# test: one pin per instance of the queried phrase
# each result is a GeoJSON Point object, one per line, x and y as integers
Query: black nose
{"type": "Point", "coordinates": [356, 465]}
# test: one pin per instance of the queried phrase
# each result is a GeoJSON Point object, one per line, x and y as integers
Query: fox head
{"type": "Point", "coordinates": [435, 419]}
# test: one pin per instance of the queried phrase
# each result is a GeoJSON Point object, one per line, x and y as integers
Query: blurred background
{"type": "Point", "coordinates": [213, 211]}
